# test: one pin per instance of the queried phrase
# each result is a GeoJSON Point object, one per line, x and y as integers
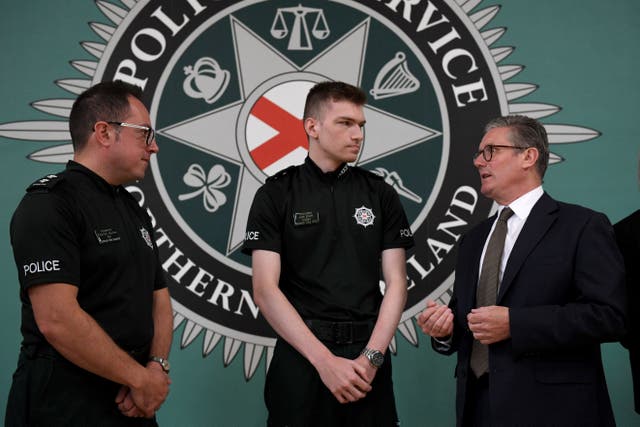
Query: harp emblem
{"type": "Point", "coordinates": [394, 79]}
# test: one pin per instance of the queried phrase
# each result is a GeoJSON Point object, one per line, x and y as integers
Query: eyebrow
{"type": "Point", "coordinates": [351, 119]}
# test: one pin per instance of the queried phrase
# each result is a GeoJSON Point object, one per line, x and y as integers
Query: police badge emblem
{"type": "Point", "coordinates": [364, 216]}
{"type": "Point", "coordinates": [146, 237]}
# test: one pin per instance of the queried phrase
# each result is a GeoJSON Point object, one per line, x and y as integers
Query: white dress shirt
{"type": "Point", "coordinates": [521, 208]}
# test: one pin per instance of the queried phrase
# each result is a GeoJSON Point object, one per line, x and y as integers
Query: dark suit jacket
{"type": "Point", "coordinates": [564, 286]}
{"type": "Point", "coordinates": [628, 237]}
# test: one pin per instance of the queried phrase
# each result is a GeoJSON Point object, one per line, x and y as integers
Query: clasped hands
{"type": "Point", "coordinates": [488, 324]}
{"type": "Point", "coordinates": [348, 380]}
{"type": "Point", "coordinates": [145, 400]}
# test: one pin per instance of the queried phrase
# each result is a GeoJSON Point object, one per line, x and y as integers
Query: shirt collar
{"type": "Point", "coordinates": [96, 179]}
{"type": "Point", "coordinates": [522, 206]}
{"type": "Point", "coordinates": [339, 173]}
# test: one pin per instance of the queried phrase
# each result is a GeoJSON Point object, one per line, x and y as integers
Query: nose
{"type": "Point", "coordinates": [479, 161]}
{"type": "Point", "coordinates": [153, 147]}
{"type": "Point", "coordinates": [358, 133]}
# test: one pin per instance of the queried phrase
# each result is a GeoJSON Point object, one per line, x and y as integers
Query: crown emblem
{"type": "Point", "coordinates": [206, 80]}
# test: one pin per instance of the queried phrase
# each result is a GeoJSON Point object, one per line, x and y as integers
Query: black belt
{"type": "Point", "coordinates": [341, 332]}
{"type": "Point", "coordinates": [44, 349]}
{"type": "Point", "coordinates": [41, 350]}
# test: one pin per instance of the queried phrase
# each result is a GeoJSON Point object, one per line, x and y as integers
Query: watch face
{"type": "Point", "coordinates": [163, 362]}
{"type": "Point", "coordinates": [377, 358]}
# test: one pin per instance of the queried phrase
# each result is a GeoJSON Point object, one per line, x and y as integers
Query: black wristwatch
{"type": "Point", "coordinates": [162, 361]}
{"type": "Point", "coordinates": [376, 358]}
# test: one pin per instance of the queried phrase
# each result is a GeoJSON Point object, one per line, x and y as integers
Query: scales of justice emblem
{"type": "Point", "coordinates": [225, 83]}
{"type": "Point", "coordinates": [300, 39]}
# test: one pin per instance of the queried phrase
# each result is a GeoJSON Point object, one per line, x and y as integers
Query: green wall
{"type": "Point", "coordinates": [583, 56]}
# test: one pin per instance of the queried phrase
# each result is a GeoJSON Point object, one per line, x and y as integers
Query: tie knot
{"type": "Point", "coordinates": [505, 214]}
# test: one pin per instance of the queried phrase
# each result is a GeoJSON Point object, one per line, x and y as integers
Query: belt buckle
{"type": "Point", "coordinates": [343, 332]}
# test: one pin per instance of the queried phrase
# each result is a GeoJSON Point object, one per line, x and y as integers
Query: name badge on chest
{"type": "Point", "coordinates": [106, 235]}
{"type": "Point", "coordinates": [306, 218]}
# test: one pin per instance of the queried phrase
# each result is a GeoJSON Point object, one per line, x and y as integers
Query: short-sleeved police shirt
{"type": "Point", "coordinates": [330, 230]}
{"type": "Point", "coordinates": [77, 229]}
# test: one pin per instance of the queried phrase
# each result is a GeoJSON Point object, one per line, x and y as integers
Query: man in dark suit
{"type": "Point", "coordinates": [628, 237]}
{"type": "Point", "coordinates": [529, 348]}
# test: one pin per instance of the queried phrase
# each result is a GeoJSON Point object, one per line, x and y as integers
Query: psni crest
{"type": "Point", "coordinates": [225, 83]}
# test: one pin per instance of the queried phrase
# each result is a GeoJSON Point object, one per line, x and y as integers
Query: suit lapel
{"type": "Point", "coordinates": [543, 214]}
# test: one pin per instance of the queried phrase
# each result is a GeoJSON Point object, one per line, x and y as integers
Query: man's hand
{"type": "Point", "coordinates": [370, 371]}
{"type": "Point", "coordinates": [153, 391]}
{"type": "Point", "coordinates": [125, 403]}
{"type": "Point", "coordinates": [346, 379]}
{"type": "Point", "coordinates": [436, 320]}
{"type": "Point", "coordinates": [489, 324]}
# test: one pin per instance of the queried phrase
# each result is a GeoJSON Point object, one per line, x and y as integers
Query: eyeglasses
{"type": "Point", "coordinates": [149, 133]}
{"type": "Point", "coordinates": [488, 150]}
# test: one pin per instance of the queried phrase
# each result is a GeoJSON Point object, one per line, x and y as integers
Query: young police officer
{"type": "Point", "coordinates": [96, 313]}
{"type": "Point", "coordinates": [318, 235]}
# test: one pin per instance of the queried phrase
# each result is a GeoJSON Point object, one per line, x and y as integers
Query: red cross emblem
{"type": "Point", "coordinates": [289, 135]}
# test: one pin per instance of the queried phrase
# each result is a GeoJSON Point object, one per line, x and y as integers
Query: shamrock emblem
{"type": "Point", "coordinates": [207, 185]}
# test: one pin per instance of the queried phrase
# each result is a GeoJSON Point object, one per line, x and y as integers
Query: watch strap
{"type": "Point", "coordinates": [375, 357]}
{"type": "Point", "coordinates": [162, 361]}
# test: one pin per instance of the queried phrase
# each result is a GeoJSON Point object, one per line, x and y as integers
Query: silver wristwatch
{"type": "Point", "coordinates": [162, 361]}
{"type": "Point", "coordinates": [376, 358]}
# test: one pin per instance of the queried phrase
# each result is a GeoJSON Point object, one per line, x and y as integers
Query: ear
{"type": "Point", "coordinates": [103, 133]}
{"type": "Point", "coordinates": [311, 127]}
{"type": "Point", "coordinates": [530, 157]}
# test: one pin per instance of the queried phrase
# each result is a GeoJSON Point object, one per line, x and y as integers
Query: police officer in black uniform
{"type": "Point", "coordinates": [96, 312]}
{"type": "Point", "coordinates": [319, 234]}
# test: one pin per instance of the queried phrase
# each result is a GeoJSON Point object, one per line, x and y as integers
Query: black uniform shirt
{"type": "Point", "coordinates": [329, 230]}
{"type": "Point", "coordinates": [77, 229]}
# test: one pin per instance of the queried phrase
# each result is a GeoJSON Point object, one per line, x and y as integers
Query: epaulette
{"type": "Point", "coordinates": [45, 183]}
{"type": "Point", "coordinates": [282, 173]}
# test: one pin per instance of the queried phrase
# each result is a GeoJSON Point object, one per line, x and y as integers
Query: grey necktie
{"type": "Point", "coordinates": [488, 286]}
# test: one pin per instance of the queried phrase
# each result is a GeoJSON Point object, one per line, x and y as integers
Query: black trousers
{"type": "Point", "coordinates": [477, 411]}
{"type": "Point", "coordinates": [296, 396]}
{"type": "Point", "coordinates": [49, 391]}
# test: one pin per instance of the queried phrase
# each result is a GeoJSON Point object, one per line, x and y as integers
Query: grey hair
{"type": "Point", "coordinates": [525, 132]}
